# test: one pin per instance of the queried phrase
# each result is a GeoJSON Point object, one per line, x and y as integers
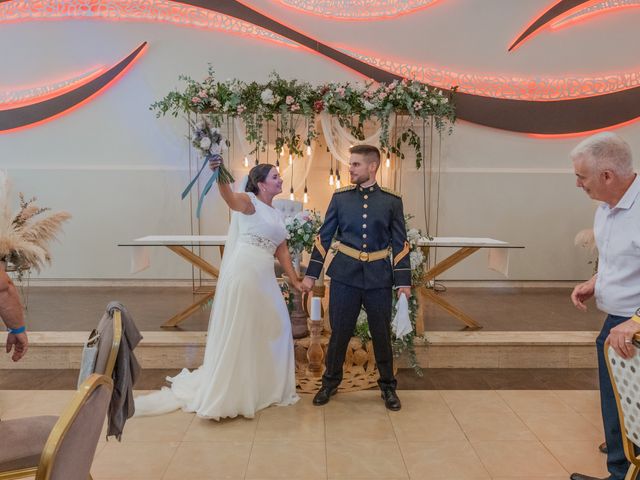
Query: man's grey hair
{"type": "Point", "coordinates": [605, 151]}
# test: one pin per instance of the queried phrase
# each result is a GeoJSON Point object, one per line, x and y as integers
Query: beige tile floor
{"type": "Point", "coordinates": [452, 434]}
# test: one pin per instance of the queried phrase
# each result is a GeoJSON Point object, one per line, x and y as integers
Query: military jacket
{"type": "Point", "coordinates": [368, 220]}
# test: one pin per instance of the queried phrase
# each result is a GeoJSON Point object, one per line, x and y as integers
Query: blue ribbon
{"type": "Point", "coordinates": [206, 189]}
{"type": "Point", "coordinates": [195, 179]}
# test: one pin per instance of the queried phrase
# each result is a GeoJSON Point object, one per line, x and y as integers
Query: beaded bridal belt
{"type": "Point", "coordinates": [258, 241]}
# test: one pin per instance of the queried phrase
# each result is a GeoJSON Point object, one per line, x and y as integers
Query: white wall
{"type": "Point", "coordinates": [120, 171]}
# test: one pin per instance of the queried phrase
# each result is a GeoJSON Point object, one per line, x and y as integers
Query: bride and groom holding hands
{"type": "Point", "coordinates": [249, 359]}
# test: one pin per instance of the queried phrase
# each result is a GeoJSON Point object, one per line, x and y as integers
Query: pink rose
{"type": "Point", "coordinates": [195, 100]}
{"type": "Point", "coordinates": [289, 100]}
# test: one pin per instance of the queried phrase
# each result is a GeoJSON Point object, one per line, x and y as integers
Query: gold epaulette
{"type": "Point", "coordinates": [345, 189]}
{"type": "Point", "coordinates": [392, 192]}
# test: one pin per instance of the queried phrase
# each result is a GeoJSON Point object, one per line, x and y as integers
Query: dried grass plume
{"type": "Point", "coordinates": [25, 239]}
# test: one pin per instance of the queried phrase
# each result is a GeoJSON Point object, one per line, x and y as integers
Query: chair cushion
{"type": "Point", "coordinates": [23, 440]}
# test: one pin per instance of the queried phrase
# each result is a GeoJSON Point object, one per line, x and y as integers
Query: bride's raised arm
{"type": "Point", "coordinates": [238, 201]}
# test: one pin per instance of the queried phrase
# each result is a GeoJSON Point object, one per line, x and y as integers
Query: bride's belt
{"type": "Point", "coordinates": [259, 241]}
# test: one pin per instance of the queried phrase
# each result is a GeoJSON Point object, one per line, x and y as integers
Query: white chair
{"type": "Point", "coordinates": [625, 378]}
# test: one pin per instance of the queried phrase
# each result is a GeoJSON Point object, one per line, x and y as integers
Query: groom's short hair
{"type": "Point", "coordinates": [369, 152]}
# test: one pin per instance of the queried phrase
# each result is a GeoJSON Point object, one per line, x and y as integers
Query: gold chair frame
{"type": "Point", "coordinates": [627, 444]}
{"type": "Point", "coordinates": [60, 429]}
{"type": "Point", "coordinates": [111, 363]}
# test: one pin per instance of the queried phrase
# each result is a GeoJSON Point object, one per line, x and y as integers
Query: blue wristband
{"type": "Point", "coordinates": [18, 330]}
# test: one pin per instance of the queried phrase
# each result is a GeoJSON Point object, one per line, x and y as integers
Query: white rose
{"type": "Point", "coordinates": [216, 149]}
{"type": "Point", "coordinates": [205, 143]}
{"type": "Point", "coordinates": [368, 105]}
{"type": "Point", "coordinates": [267, 96]}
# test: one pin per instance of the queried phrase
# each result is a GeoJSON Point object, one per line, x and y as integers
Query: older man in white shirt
{"type": "Point", "coordinates": [604, 170]}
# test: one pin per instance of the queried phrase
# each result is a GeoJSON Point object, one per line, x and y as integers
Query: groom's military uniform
{"type": "Point", "coordinates": [372, 257]}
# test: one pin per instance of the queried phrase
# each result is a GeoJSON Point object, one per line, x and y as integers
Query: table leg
{"type": "Point", "coordinates": [182, 316]}
{"type": "Point", "coordinates": [425, 294]}
{"type": "Point", "coordinates": [204, 266]}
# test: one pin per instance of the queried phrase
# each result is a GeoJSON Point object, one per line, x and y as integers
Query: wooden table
{"type": "Point", "coordinates": [465, 246]}
{"type": "Point", "coordinates": [180, 245]}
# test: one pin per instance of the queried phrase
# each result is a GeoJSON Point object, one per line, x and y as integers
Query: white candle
{"type": "Point", "coordinates": [316, 308]}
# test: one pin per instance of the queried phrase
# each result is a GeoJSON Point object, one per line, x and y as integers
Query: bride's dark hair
{"type": "Point", "coordinates": [257, 174]}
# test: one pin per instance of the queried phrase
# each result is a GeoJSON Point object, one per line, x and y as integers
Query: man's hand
{"type": "Point", "coordinates": [405, 290]}
{"type": "Point", "coordinates": [307, 284]}
{"type": "Point", "coordinates": [620, 338]}
{"type": "Point", "coordinates": [214, 162]}
{"type": "Point", "coordinates": [19, 343]}
{"type": "Point", "coordinates": [583, 292]}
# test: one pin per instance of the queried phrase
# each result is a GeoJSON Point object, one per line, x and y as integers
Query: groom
{"type": "Point", "coordinates": [368, 221]}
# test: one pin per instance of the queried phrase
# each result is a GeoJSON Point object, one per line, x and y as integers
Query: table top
{"type": "Point", "coordinates": [218, 240]}
{"type": "Point", "coordinates": [181, 240]}
{"type": "Point", "coordinates": [460, 242]}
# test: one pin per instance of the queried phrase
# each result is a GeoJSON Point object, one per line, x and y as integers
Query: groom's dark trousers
{"type": "Point", "coordinates": [344, 308]}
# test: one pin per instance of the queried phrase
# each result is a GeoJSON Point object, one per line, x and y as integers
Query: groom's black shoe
{"type": "Point", "coordinates": [391, 400]}
{"type": "Point", "coordinates": [324, 395]}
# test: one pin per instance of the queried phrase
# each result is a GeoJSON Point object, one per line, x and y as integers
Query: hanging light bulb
{"type": "Point", "coordinates": [246, 161]}
{"type": "Point", "coordinates": [290, 159]}
{"type": "Point", "coordinates": [278, 165]}
{"type": "Point", "coordinates": [309, 150]}
{"type": "Point", "coordinates": [256, 160]}
{"type": "Point", "coordinates": [305, 198]}
{"type": "Point", "coordinates": [291, 195]}
{"type": "Point", "coordinates": [388, 162]}
{"type": "Point", "coordinates": [338, 184]}
{"type": "Point", "coordinates": [331, 177]}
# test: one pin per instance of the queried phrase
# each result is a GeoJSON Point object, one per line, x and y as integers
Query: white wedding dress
{"type": "Point", "coordinates": [249, 357]}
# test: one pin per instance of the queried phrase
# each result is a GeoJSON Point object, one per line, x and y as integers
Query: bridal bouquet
{"type": "Point", "coordinates": [302, 230]}
{"type": "Point", "coordinates": [209, 141]}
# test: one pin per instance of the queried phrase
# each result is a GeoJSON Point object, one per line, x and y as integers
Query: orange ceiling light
{"type": "Point", "coordinates": [11, 97]}
{"type": "Point", "coordinates": [162, 11]}
{"type": "Point", "coordinates": [592, 9]}
{"type": "Point", "coordinates": [359, 9]}
{"type": "Point", "coordinates": [565, 12]}
{"type": "Point", "coordinates": [48, 107]}
{"type": "Point", "coordinates": [515, 87]}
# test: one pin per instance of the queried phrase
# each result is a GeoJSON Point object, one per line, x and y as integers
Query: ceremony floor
{"type": "Point", "coordinates": [438, 434]}
{"type": "Point", "coordinates": [497, 309]}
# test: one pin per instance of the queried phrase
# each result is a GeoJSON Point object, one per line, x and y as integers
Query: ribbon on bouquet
{"type": "Point", "coordinates": [207, 186]}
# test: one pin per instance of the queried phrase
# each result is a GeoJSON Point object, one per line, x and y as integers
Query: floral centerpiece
{"type": "Point", "coordinates": [418, 265]}
{"type": "Point", "coordinates": [302, 230]}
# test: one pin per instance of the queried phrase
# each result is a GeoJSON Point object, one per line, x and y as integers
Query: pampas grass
{"type": "Point", "coordinates": [25, 239]}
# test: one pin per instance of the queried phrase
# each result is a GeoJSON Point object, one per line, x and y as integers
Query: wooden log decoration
{"type": "Point", "coordinates": [315, 354]}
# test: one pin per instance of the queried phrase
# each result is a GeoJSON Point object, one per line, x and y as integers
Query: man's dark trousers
{"type": "Point", "coordinates": [344, 307]}
{"type": "Point", "coordinates": [617, 463]}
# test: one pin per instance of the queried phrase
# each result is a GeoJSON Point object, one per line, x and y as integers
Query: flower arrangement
{"type": "Point", "coordinates": [289, 101]}
{"type": "Point", "coordinates": [302, 230]}
{"type": "Point", "coordinates": [418, 265]}
{"type": "Point", "coordinates": [24, 239]}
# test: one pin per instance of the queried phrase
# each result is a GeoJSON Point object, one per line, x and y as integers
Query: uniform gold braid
{"type": "Point", "coordinates": [318, 244]}
{"type": "Point", "coordinates": [345, 189]}
{"type": "Point", "coordinates": [392, 192]}
{"type": "Point", "coordinates": [403, 253]}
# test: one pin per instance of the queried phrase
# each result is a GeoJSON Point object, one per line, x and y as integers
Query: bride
{"type": "Point", "coordinates": [249, 356]}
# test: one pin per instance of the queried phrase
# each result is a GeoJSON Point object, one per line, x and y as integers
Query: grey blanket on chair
{"type": "Point", "coordinates": [125, 373]}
